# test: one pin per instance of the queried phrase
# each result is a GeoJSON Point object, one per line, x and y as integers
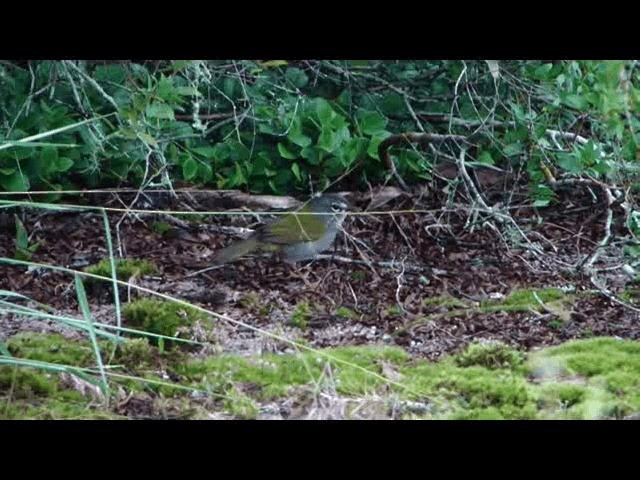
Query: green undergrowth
{"type": "Point", "coordinates": [161, 318]}
{"type": "Point", "coordinates": [125, 268]}
{"type": "Point", "coordinates": [525, 300]}
{"type": "Point", "coordinates": [581, 379]}
{"type": "Point", "coordinates": [552, 300]}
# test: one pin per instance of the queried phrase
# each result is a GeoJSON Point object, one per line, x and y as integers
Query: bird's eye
{"type": "Point", "coordinates": [336, 207]}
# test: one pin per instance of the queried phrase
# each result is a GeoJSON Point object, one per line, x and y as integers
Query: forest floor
{"type": "Point", "coordinates": [450, 292]}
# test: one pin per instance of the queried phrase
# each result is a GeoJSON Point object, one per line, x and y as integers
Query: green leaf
{"type": "Point", "coordinates": [63, 164]}
{"type": "Point", "coordinates": [392, 103]}
{"type": "Point", "coordinates": [273, 63]}
{"type": "Point", "coordinates": [187, 91]}
{"type": "Point", "coordinates": [296, 171]}
{"type": "Point", "coordinates": [325, 112]}
{"type": "Point", "coordinates": [285, 152]}
{"type": "Point", "coordinates": [485, 157]}
{"type": "Point", "coordinates": [15, 182]}
{"type": "Point", "coordinates": [329, 140]}
{"type": "Point", "coordinates": [372, 150]}
{"type": "Point", "coordinates": [22, 237]}
{"type": "Point", "coordinates": [569, 163]}
{"type": "Point", "coordinates": [207, 152]}
{"type": "Point", "coordinates": [189, 168]}
{"type": "Point", "coordinates": [297, 77]}
{"type": "Point", "coordinates": [47, 161]}
{"type": "Point", "coordinates": [311, 154]}
{"type": "Point", "coordinates": [541, 203]}
{"type": "Point", "coordinates": [148, 139]}
{"type": "Point", "coordinates": [297, 137]}
{"type": "Point", "coordinates": [574, 101]}
{"type": "Point", "coordinates": [7, 171]}
{"type": "Point", "coordinates": [513, 149]}
{"type": "Point", "coordinates": [371, 123]}
{"type": "Point", "coordinates": [205, 172]}
{"type": "Point", "coordinates": [160, 110]}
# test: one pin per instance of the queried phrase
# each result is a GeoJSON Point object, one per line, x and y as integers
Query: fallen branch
{"type": "Point", "coordinates": [611, 296]}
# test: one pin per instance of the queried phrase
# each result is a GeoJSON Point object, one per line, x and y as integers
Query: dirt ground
{"type": "Point", "coordinates": [350, 304]}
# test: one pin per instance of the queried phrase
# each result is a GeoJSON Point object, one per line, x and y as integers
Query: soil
{"type": "Point", "coordinates": [437, 254]}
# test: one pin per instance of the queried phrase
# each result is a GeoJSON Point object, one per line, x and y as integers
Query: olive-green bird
{"type": "Point", "coordinates": [296, 237]}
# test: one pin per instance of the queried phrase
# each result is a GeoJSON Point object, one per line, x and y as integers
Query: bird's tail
{"type": "Point", "coordinates": [235, 250]}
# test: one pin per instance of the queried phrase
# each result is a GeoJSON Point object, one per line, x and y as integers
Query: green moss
{"type": "Point", "coordinates": [344, 312]}
{"type": "Point", "coordinates": [134, 354]}
{"type": "Point", "coordinates": [359, 274]}
{"type": "Point", "coordinates": [274, 375]}
{"type": "Point", "coordinates": [525, 300]}
{"type": "Point", "coordinates": [457, 389]}
{"type": "Point", "coordinates": [610, 369]}
{"type": "Point", "coordinates": [160, 228]}
{"type": "Point", "coordinates": [125, 268]}
{"type": "Point", "coordinates": [240, 405]}
{"type": "Point", "coordinates": [393, 311]}
{"type": "Point", "coordinates": [54, 409]}
{"type": "Point", "coordinates": [162, 318]}
{"type": "Point", "coordinates": [52, 348]}
{"type": "Point", "coordinates": [489, 413]}
{"type": "Point", "coordinates": [301, 315]}
{"type": "Point", "coordinates": [492, 355]}
{"type": "Point", "coordinates": [24, 382]}
{"type": "Point", "coordinates": [443, 301]}
{"type": "Point", "coordinates": [250, 300]}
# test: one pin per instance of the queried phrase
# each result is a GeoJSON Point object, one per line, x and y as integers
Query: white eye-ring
{"type": "Point", "coordinates": [336, 207]}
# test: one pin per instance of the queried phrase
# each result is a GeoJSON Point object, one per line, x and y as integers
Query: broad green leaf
{"type": "Point", "coordinates": [325, 112]}
{"type": "Point", "coordinates": [160, 110]}
{"type": "Point", "coordinates": [207, 152]}
{"type": "Point", "coordinates": [370, 122]}
{"type": "Point", "coordinates": [148, 139]}
{"type": "Point", "coordinates": [328, 140]}
{"type": "Point", "coordinates": [187, 91]}
{"type": "Point", "coordinates": [189, 168]}
{"type": "Point", "coordinates": [485, 157]}
{"type": "Point", "coordinates": [205, 172]}
{"type": "Point", "coordinates": [297, 137]}
{"type": "Point", "coordinates": [63, 164]}
{"type": "Point", "coordinates": [513, 149]}
{"type": "Point", "coordinates": [15, 182]}
{"type": "Point", "coordinates": [311, 154]}
{"type": "Point", "coordinates": [372, 150]}
{"type": "Point", "coordinates": [575, 101]}
{"type": "Point", "coordinates": [297, 77]}
{"type": "Point", "coordinates": [569, 163]}
{"type": "Point", "coordinates": [285, 152]}
{"type": "Point", "coordinates": [47, 161]}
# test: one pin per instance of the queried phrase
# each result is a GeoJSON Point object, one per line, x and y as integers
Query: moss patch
{"type": "Point", "coordinates": [344, 312]}
{"type": "Point", "coordinates": [300, 315]}
{"type": "Point", "coordinates": [443, 301]}
{"type": "Point", "coordinates": [608, 368]}
{"type": "Point", "coordinates": [525, 300]}
{"type": "Point", "coordinates": [52, 348]}
{"type": "Point", "coordinates": [161, 318]}
{"type": "Point", "coordinates": [273, 375]}
{"type": "Point", "coordinates": [125, 268]}
{"type": "Point", "coordinates": [491, 355]}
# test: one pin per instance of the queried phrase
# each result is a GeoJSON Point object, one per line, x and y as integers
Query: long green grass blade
{"type": "Point", "coordinates": [86, 312]}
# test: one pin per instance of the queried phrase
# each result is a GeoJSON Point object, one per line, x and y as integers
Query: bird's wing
{"type": "Point", "coordinates": [293, 228]}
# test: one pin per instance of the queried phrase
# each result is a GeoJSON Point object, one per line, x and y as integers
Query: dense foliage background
{"type": "Point", "coordinates": [298, 126]}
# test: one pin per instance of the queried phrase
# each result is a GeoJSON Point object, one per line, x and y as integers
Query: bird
{"type": "Point", "coordinates": [296, 237]}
